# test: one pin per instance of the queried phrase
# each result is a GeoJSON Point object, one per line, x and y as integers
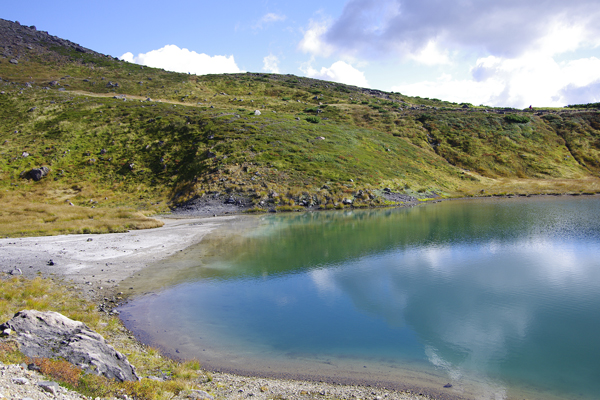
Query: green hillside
{"type": "Point", "coordinates": [121, 142]}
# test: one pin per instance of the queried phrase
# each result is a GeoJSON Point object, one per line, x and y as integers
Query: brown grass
{"type": "Point", "coordinates": [58, 369]}
{"type": "Point", "coordinates": [503, 186]}
{"type": "Point", "coordinates": [39, 219]}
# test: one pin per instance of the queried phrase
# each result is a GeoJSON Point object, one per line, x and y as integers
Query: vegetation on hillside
{"type": "Point", "coordinates": [139, 140]}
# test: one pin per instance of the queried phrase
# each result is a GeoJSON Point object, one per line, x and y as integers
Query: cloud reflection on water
{"type": "Point", "coordinates": [486, 294]}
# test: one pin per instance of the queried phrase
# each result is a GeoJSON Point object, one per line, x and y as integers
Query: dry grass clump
{"type": "Point", "coordinates": [513, 186]}
{"type": "Point", "coordinates": [38, 219]}
{"type": "Point", "coordinates": [18, 293]}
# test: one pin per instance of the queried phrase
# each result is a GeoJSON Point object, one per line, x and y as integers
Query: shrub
{"type": "Point", "coordinates": [517, 119]}
{"type": "Point", "coordinates": [313, 120]}
{"type": "Point", "coordinates": [425, 117]}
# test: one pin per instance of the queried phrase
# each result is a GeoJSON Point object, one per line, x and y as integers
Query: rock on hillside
{"type": "Point", "coordinates": [52, 335]}
{"type": "Point", "coordinates": [18, 41]}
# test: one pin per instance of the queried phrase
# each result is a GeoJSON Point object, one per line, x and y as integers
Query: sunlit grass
{"type": "Point", "coordinates": [36, 219]}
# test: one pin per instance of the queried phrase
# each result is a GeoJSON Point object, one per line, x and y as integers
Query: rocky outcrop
{"type": "Point", "coordinates": [38, 173]}
{"type": "Point", "coordinates": [52, 335]}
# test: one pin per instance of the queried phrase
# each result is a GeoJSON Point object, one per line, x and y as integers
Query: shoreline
{"type": "Point", "coordinates": [99, 265]}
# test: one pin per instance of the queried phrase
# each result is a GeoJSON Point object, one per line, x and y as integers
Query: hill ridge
{"type": "Point", "coordinates": [265, 142]}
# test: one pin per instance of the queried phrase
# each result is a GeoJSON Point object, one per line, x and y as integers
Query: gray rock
{"type": "Point", "coordinates": [200, 395]}
{"type": "Point", "coordinates": [16, 271]}
{"type": "Point", "coordinates": [256, 112]}
{"type": "Point", "coordinates": [50, 387]}
{"type": "Point", "coordinates": [20, 381]}
{"type": "Point", "coordinates": [38, 173]}
{"type": "Point", "coordinates": [14, 61]}
{"type": "Point", "coordinates": [52, 335]}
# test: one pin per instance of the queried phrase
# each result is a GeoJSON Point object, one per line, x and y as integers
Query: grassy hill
{"type": "Point", "coordinates": [122, 142]}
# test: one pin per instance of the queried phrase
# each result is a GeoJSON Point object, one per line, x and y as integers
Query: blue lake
{"type": "Point", "coordinates": [500, 298]}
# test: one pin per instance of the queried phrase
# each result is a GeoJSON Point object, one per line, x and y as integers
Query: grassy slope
{"type": "Point", "coordinates": [135, 157]}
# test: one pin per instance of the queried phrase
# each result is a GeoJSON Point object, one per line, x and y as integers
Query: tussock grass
{"type": "Point", "coordinates": [38, 219]}
{"type": "Point", "coordinates": [508, 186]}
{"type": "Point", "coordinates": [18, 293]}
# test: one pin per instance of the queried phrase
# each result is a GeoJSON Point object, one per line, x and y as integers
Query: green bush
{"type": "Point", "coordinates": [517, 119]}
{"type": "Point", "coordinates": [313, 120]}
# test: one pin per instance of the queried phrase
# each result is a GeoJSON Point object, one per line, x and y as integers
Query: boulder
{"type": "Point", "coordinates": [52, 335]}
{"type": "Point", "coordinates": [38, 173]}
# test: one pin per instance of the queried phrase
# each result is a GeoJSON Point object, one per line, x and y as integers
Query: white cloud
{"type": "Point", "coordinates": [504, 28]}
{"type": "Point", "coordinates": [313, 43]}
{"type": "Point", "coordinates": [271, 64]}
{"type": "Point", "coordinates": [535, 79]}
{"type": "Point", "coordinates": [269, 18]}
{"type": "Point", "coordinates": [340, 71]}
{"type": "Point", "coordinates": [172, 58]}
{"type": "Point", "coordinates": [431, 55]}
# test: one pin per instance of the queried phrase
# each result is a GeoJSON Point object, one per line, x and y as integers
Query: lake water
{"type": "Point", "coordinates": [500, 298]}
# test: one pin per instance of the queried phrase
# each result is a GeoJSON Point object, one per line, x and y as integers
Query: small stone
{"type": "Point", "coordinates": [16, 271]}
{"type": "Point", "coordinates": [33, 367]}
{"type": "Point", "coordinates": [200, 395]}
{"type": "Point", "coordinates": [14, 61]}
{"type": "Point", "coordinates": [20, 381]}
{"type": "Point", "coordinates": [50, 387]}
{"type": "Point", "coordinates": [257, 112]}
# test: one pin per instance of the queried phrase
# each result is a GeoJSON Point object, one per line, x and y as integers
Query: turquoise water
{"type": "Point", "coordinates": [500, 298]}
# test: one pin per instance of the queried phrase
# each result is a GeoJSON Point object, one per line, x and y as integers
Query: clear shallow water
{"type": "Point", "coordinates": [501, 298]}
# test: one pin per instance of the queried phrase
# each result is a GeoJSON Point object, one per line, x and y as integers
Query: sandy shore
{"type": "Point", "coordinates": [97, 264]}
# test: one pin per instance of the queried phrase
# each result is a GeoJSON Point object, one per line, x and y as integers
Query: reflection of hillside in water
{"type": "Point", "coordinates": [279, 244]}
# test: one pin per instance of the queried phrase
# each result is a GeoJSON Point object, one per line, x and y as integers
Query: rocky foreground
{"type": "Point", "coordinates": [47, 334]}
{"type": "Point", "coordinates": [17, 382]}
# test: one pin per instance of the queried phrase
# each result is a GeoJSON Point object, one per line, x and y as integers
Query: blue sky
{"type": "Point", "coordinates": [498, 53]}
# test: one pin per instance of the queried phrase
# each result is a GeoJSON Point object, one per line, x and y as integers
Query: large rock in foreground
{"type": "Point", "coordinates": [52, 335]}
